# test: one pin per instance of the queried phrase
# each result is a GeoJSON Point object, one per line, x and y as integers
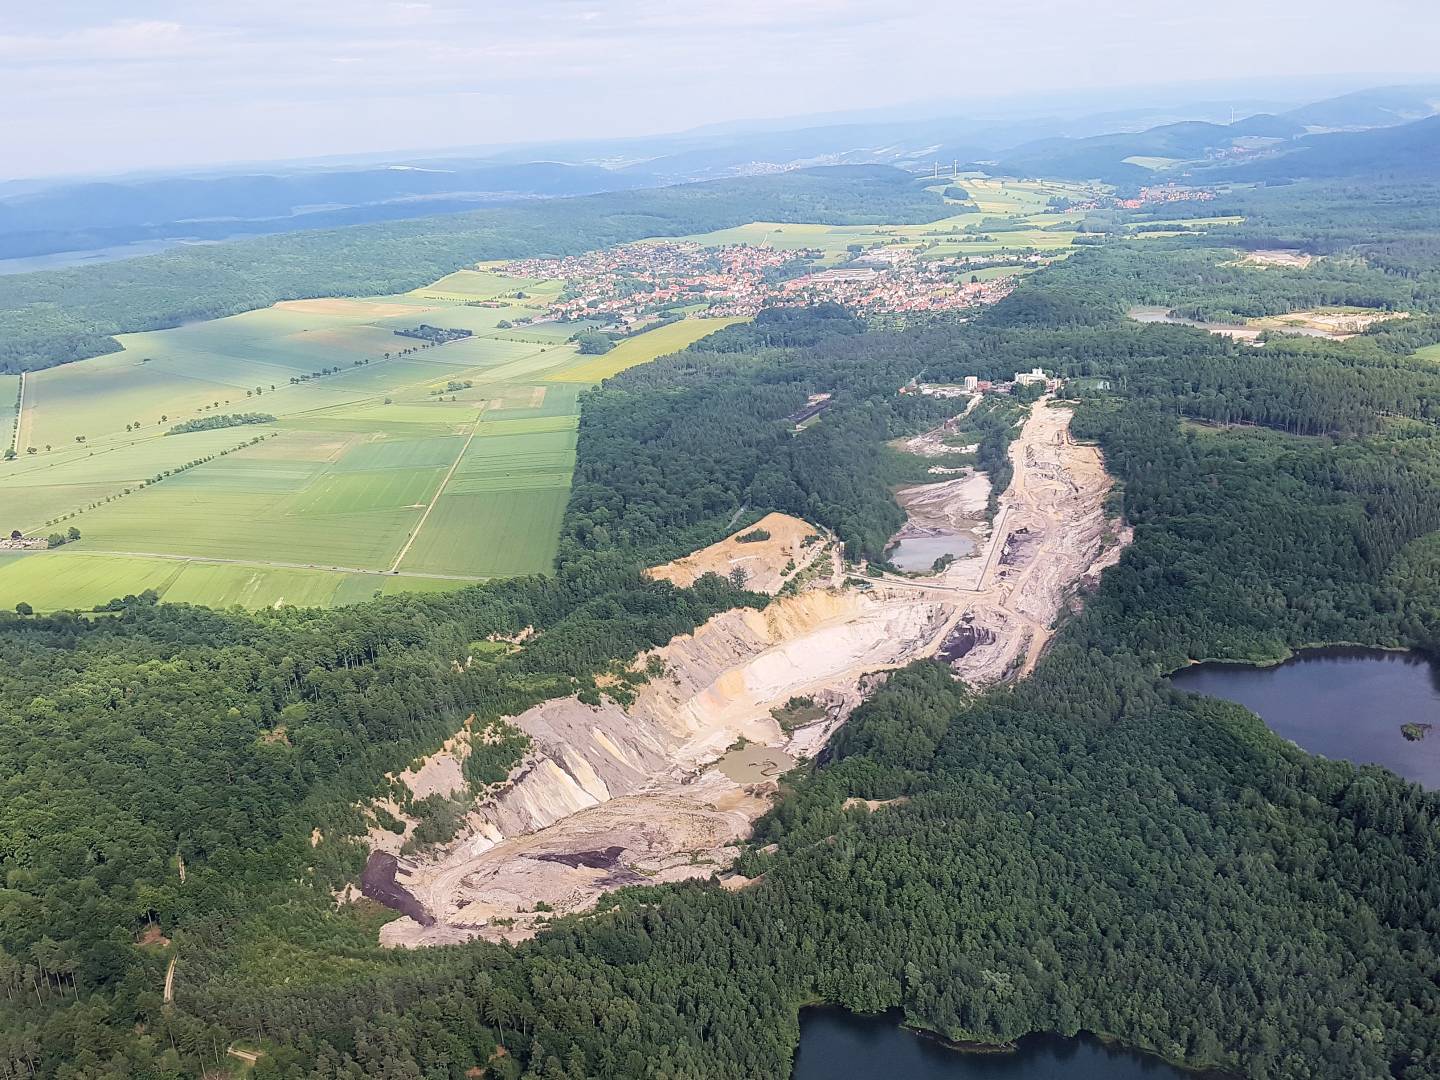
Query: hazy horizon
{"type": "Point", "coordinates": [174, 85]}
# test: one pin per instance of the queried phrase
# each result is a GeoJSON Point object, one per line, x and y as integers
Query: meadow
{"type": "Point", "coordinates": [392, 464]}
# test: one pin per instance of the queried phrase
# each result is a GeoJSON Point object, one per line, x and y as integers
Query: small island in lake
{"type": "Point", "coordinates": [1415, 732]}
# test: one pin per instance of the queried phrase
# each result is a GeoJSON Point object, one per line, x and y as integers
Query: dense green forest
{"type": "Point", "coordinates": [1084, 850]}
{"type": "Point", "coordinates": [55, 316]}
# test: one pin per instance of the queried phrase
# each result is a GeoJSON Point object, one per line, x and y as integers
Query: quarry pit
{"type": "Point", "coordinates": [667, 787]}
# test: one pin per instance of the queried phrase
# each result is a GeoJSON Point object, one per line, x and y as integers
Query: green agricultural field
{"type": "Point", "coordinates": [831, 239]}
{"type": "Point", "coordinates": [84, 581]}
{"type": "Point", "coordinates": [992, 273]}
{"type": "Point", "coordinates": [389, 463]}
{"type": "Point", "coordinates": [1198, 223]}
{"type": "Point", "coordinates": [997, 196]}
{"type": "Point", "coordinates": [1152, 162]}
{"type": "Point", "coordinates": [49, 580]}
{"type": "Point", "coordinates": [221, 585]}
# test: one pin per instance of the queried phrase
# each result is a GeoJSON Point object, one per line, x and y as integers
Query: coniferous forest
{"type": "Point", "coordinates": [1086, 849]}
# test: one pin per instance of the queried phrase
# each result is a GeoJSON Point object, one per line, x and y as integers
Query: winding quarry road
{"type": "Point", "coordinates": [1049, 533]}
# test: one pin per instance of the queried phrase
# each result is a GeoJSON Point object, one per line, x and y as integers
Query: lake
{"type": "Point", "coordinates": [919, 553]}
{"type": "Point", "coordinates": [1162, 315]}
{"type": "Point", "coordinates": [835, 1044]}
{"type": "Point", "coordinates": [1343, 703]}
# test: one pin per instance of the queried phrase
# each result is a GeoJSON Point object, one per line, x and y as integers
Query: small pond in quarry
{"type": "Point", "coordinates": [752, 764]}
{"type": "Point", "coordinates": [836, 1044]}
{"type": "Point", "coordinates": [1347, 704]}
{"type": "Point", "coordinates": [919, 553]}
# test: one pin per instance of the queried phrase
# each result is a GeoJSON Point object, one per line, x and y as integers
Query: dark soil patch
{"type": "Point", "coordinates": [598, 859]}
{"type": "Point", "coordinates": [377, 881]}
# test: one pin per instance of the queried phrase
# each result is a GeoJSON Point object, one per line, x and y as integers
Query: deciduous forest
{"type": "Point", "coordinates": [1086, 849]}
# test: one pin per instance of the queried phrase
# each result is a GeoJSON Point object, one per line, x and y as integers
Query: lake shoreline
{"type": "Point", "coordinates": [1362, 704]}
{"type": "Point", "coordinates": [1296, 652]}
{"type": "Point", "coordinates": [976, 1058]}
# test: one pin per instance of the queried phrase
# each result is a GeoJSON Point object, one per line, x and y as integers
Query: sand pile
{"type": "Point", "coordinates": [766, 563]}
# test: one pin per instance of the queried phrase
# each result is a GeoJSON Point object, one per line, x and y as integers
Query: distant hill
{"type": "Point", "coordinates": [1409, 150]}
{"type": "Point", "coordinates": [1381, 107]}
{"type": "Point", "coordinates": [1108, 157]}
{"type": "Point", "coordinates": [1126, 147]}
{"type": "Point", "coordinates": [1190, 144]}
{"type": "Point", "coordinates": [88, 215]}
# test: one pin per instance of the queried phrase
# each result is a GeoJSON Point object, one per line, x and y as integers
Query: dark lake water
{"type": "Point", "coordinates": [836, 1045]}
{"type": "Point", "coordinates": [1343, 703]}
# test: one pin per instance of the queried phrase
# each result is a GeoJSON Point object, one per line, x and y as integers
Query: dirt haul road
{"type": "Point", "coordinates": [1049, 536]}
{"type": "Point", "coordinates": [612, 796]}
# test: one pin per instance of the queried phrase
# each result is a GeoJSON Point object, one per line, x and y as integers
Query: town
{"type": "Point", "coordinates": [637, 285]}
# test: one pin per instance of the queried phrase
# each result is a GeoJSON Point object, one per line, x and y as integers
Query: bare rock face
{"type": "Point", "coordinates": [639, 778]}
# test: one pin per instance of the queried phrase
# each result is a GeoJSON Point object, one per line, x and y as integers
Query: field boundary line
{"type": "Point", "coordinates": [19, 415]}
{"type": "Point", "coordinates": [258, 564]}
{"type": "Point", "coordinates": [474, 430]}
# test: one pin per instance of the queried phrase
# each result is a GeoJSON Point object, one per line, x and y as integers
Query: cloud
{"type": "Point", "coordinates": [185, 80]}
{"type": "Point", "coordinates": [108, 43]}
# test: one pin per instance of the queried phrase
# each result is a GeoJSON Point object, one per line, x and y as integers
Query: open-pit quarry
{"type": "Point", "coordinates": [666, 788]}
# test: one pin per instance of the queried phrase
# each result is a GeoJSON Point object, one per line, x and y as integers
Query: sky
{"type": "Point", "coordinates": [94, 86]}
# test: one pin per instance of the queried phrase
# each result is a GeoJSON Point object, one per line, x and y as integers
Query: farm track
{"type": "Point", "coordinates": [276, 565]}
{"type": "Point", "coordinates": [19, 416]}
{"type": "Point", "coordinates": [475, 427]}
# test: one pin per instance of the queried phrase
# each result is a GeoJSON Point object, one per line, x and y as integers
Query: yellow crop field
{"type": "Point", "coordinates": [640, 349]}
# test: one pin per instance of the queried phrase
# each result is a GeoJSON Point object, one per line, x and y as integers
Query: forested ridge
{"type": "Point", "coordinates": [54, 316]}
{"type": "Point", "coordinates": [1085, 850]}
